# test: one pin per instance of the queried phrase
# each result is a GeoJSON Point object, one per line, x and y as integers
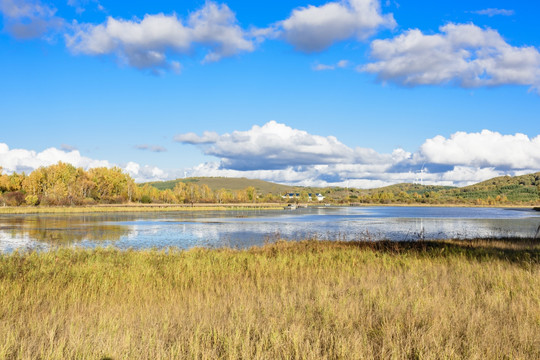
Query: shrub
{"type": "Point", "coordinates": [13, 198]}
{"type": "Point", "coordinates": [32, 200]}
{"type": "Point", "coordinates": [88, 201]}
{"type": "Point", "coordinates": [145, 199]}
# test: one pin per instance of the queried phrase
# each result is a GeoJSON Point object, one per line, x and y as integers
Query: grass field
{"type": "Point", "coordinates": [475, 299]}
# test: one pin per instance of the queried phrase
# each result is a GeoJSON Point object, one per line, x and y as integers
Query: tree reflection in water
{"type": "Point", "coordinates": [61, 230]}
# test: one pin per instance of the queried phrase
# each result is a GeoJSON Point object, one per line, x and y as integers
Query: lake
{"type": "Point", "coordinates": [255, 227]}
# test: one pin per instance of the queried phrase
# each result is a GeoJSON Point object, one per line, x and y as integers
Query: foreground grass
{"type": "Point", "coordinates": [310, 300]}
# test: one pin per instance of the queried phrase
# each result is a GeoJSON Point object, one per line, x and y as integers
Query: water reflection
{"type": "Point", "coordinates": [244, 229]}
{"type": "Point", "coordinates": [49, 231]}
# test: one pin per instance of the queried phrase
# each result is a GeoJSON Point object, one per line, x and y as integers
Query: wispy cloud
{"type": "Point", "coordinates": [323, 67]}
{"type": "Point", "coordinates": [339, 65]}
{"type": "Point", "coordinates": [153, 148]}
{"type": "Point", "coordinates": [67, 147]}
{"type": "Point", "coordinates": [493, 12]}
{"type": "Point", "coordinates": [462, 54]}
{"type": "Point", "coordinates": [82, 5]}
{"type": "Point", "coordinates": [28, 19]}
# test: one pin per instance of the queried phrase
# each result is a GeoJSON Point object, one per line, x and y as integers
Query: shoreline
{"type": "Point", "coordinates": [113, 208]}
{"type": "Point", "coordinates": [135, 208]}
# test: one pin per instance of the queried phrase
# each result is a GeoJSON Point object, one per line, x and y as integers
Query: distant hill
{"type": "Point", "coordinates": [504, 181]}
{"type": "Point", "coordinates": [411, 188]}
{"type": "Point", "coordinates": [504, 189]}
{"type": "Point", "coordinates": [216, 183]}
{"type": "Point", "coordinates": [515, 188]}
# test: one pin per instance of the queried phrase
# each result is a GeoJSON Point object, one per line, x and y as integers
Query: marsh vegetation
{"type": "Point", "coordinates": [311, 299]}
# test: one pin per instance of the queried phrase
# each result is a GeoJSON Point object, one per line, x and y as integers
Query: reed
{"type": "Point", "coordinates": [133, 208]}
{"type": "Point", "coordinates": [289, 300]}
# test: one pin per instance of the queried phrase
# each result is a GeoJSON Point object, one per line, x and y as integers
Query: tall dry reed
{"type": "Point", "coordinates": [306, 300]}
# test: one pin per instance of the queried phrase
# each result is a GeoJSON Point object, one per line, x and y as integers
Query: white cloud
{"type": "Point", "coordinates": [277, 152]}
{"type": "Point", "coordinates": [207, 137]}
{"type": "Point", "coordinates": [322, 67]}
{"type": "Point", "coordinates": [274, 146]}
{"type": "Point", "coordinates": [351, 175]}
{"type": "Point", "coordinates": [67, 147]}
{"type": "Point", "coordinates": [342, 63]}
{"type": "Point", "coordinates": [484, 149]}
{"type": "Point", "coordinates": [315, 28]}
{"type": "Point", "coordinates": [318, 175]}
{"type": "Point", "coordinates": [493, 11]}
{"type": "Point", "coordinates": [27, 160]}
{"type": "Point", "coordinates": [27, 19]}
{"type": "Point", "coordinates": [148, 43]}
{"type": "Point", "coordinates": [19, 160]}
{"type": "Point", "coordinates": [145, 173]}
{"type": "Point", "coordinates": [152, 148]}
{"type": "Point", "coordinates": [81, 6]}
{"type": "Point", "coordinates": [464, 54]}
{"type": "Point", "coordinates": [467, 175]}
{"type": "Point", "coordinates": [339, 65]}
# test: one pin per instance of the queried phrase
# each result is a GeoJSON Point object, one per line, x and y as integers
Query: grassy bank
{"type": "Point", "coordinates": [198, 207]}
{"type": "Point", "coordinates": [312, 300]}
{"type": "Point", "coordinates": [133, 208]}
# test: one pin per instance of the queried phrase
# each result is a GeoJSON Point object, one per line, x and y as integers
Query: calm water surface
{"type": "Point", "coordinates": [248, 228]}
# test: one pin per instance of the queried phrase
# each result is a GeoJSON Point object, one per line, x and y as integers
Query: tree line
{"type": "Point", "coordinates": [64, 184]}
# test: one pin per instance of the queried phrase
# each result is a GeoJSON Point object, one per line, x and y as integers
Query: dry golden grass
{"type": "Point", "coordinates": [306, 300]}
{"type": "Point", "coordinates": [133, 208]}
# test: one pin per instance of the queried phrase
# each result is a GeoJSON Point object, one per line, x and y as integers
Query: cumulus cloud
{"type": "Point", "coordinates": [145, 173]}
{"type": "Point", "coordinates": [484, 149]}
{"type": "Point", "coordinates": [463, 54]}
{"type": "Point", "coordinates": [27, 19]}
{"type": "Point", "coordinates": [148, 43]}
{"type": "Point", "coordinates": [22, 160]}
{"type": "Point", "coordinates": [279, 153]}
{"type": "Point", "coordinates": [493, 11]}
{"type": "Point", "coordinates": [315, 28]}
{"type": "Point", "coordinates": [274, 146]}
{"type": "Point", "coordinates": [359, 176]}
{"type": "Point", "coordinates": [27, 160]}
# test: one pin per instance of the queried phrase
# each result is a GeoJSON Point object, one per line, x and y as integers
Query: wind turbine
{"type": "Point", "coordinates": [421, 175]}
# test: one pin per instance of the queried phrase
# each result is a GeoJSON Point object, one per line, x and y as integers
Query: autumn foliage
{"type": "Point", "coordinates": [65, 185]}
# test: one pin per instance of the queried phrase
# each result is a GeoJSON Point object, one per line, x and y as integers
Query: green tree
{"type": "Point", "coordinates": [251, 193]}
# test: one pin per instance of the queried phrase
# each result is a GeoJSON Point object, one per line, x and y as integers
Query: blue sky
{"type": "Point", "coordinates": [303, 92]}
